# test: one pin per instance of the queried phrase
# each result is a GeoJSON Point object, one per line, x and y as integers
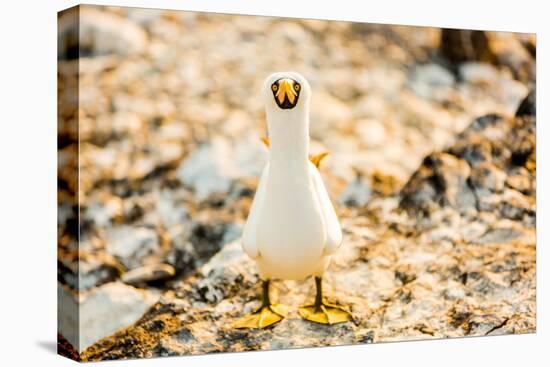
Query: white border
{"type": "Point", "coordinates": [28, 181]}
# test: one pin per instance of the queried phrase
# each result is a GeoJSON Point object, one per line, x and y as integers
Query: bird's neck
{"type": "Point", "coordinates": [289, 138]}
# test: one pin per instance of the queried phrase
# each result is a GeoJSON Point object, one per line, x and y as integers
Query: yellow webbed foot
{"type": "Point", "coordinates": [325, 314]}
{"type": "Point", "coordinates": [262, 318]}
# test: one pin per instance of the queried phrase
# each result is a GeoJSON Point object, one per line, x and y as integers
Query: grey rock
{"type": "Point", "coordinates": [499, 235]}
{"type": "Point", "coordinates": [68, 316]}
{"type": "Point", "coordinates": [101, 213]}
{"type": "Point", "coordinates": [169, 212]}
{"type": "Point", "coordinates": [471, 175]}
{"type": "Point", "coordinates": [103, 33]}
{"type": "Point", "coordinates": [478, 73]}
{"type": "Point", "coordinates": [131, 244]}
{"type": "Point", "coordinates": [486, 178]}
{"type": "Point", "coordinates": [424, 292]}
{"type": "Point", "coordinates": [183, 257]}
{"type": "Point", "coordinates": [209, 238]}
{"type": "Point", "coordinates": [215, 166]}
{"type": "Point", "coordinates": [99, 313]}
{"type": "Point", "coordinates": [442, 180]}
{"type": "Point", "coordinates": [500, 84]}
{"type": "Point", "coordinates": [528, 106]}
{"type": "Point", "coordinates": [463, 45]}
{"type": "Point", "coordinates": [148, 273]}
{"type": "Point", "coordinates": [520, 182]}
{"type": "Point", "coordinates": [143, 16]}
{"type": "Point", "coordinates": [93, 275]}
{"type": "Point", "coordinates": [109, 308]}
{"type": "Point", "coordinates": [499, 48]}
{"type": "Point", "coordinates": [89, 270]}
{"type": "Point", "coordinates": [431, 80]}
{"type": "Point", "coordinates": [356, 193]}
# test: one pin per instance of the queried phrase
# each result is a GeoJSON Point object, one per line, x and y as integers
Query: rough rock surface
{"type": "Point", "coordinates": [461, 264]}
{"type": "Point", "coordinates": [102, 311]}
{"type": "Point", "coordinates": [405, 286]}
{"type": "Point", "coordinates": [490, 169]}
{"type": "Point", "coordinates": [515, 53]}
{"type": "Point", "coordinates": [432, 174]}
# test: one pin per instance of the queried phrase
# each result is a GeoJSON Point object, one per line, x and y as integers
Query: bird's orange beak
{"type": "Point", "coordinates": [286, 89]}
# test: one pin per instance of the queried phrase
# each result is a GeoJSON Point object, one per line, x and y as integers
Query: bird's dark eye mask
{"type": "Point", "coordinates": [286, 92]}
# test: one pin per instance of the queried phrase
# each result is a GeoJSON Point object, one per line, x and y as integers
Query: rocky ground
{"type": "Point", "coordinates": [432, 168]}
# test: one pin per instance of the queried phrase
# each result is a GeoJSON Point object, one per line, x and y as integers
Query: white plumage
{"type": "Point", "coordinates": [292, 228]}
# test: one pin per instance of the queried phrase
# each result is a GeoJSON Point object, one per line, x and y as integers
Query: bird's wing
{"type": "Point", "coordinates": [332, 225]}
{"type": "Point", "coordinates": [315, 159]}
{"type": "Point", "coordinates": [249, 239]}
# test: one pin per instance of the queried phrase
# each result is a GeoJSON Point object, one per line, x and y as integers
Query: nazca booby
{"type": "Point", "coordinates": [292, 229]}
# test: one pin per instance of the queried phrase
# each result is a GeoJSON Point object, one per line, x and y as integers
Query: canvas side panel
{"type": "Point", "coordinates": [67, 182]}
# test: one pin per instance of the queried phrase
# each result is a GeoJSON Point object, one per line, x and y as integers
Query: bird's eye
{"type": "Point", "coordinates": [296, 87]}
{"type": "Point", "coordinates": [274, 87]}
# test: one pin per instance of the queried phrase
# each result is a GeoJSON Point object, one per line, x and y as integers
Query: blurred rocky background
{"type": "Point", "coordinates": [432, 167]}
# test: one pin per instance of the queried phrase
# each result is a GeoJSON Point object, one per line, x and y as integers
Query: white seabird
{"type": "Point", "coordinates": [292, 229]}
